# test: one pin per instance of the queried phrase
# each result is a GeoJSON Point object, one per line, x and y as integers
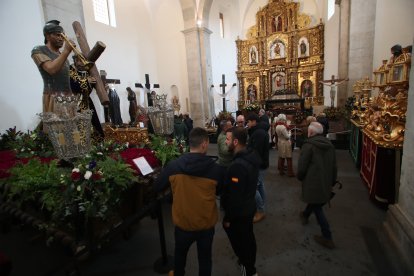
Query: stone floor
{"type": "Point", "coordinates": [285, 246]}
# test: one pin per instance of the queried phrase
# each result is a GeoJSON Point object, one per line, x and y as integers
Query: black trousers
{"type": "Point", "coordinates": [243, 242]}
{"type": "Point", "coordinates": [183, 241]}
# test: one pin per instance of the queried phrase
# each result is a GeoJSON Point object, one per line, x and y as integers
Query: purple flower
{"type": "Point", "coordinates": [92, 164]}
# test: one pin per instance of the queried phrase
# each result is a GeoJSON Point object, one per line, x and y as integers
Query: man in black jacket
{"type": "Point", "coordinates": [259, 141]}
{"type": "Point", "coordinates": [238, 199]}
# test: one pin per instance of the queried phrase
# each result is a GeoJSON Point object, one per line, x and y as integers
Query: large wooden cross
{"type": "Point", "coordinates": [223, 87]}
{"type": "Point", "coordinates": [148, 88]}
{"type": "Point", "coordinates": [92, 56]}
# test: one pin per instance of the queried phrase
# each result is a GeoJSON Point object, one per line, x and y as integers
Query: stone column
{"type": "Point", "coordinates": [399, 223]}
{"type": "Point", "coordinates": [343, 52]}
{"type": "Point", "coordinates": [357, 33]}
{"type": "Point", "coordinates": [197, 43]}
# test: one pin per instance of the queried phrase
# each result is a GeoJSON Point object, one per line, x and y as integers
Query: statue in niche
{"type": "Point", "coordinates": [251, 93]}
{"type": "Point", "coordinates": [307, 89]}
{"type": "Point", "coordinates": [253, 58]}
{"type": "Point", "coordinates": [302, 48]}
{"type": "Point", "coordinates": [277, 49]}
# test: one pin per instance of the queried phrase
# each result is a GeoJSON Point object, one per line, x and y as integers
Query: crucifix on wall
{"type": "Point", "coordinates": [148, 89]}
{"type": "Point", "coordinates": [223, 88]}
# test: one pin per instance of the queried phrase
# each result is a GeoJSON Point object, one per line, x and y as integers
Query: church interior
{"type": "Point", "coordinates": [212, 60]}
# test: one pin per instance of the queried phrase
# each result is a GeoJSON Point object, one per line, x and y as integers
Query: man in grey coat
{"type": "Point", "coordinates": [317, 170]}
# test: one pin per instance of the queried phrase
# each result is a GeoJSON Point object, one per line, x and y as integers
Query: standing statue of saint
{"type": "Point", "coordinates": [333, 83]}
{"type": "Point", "coordinates": [302, 48]}
{"type": "Point", "coordinates": [132, 98]}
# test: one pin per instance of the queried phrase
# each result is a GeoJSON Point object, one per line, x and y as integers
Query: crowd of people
{"type": "Point", "coordinates": [237, 179]}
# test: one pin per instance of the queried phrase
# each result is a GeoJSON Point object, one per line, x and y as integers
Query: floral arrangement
{"type": "Point", "coordinates": [335, 113]}
{"type": "Point", "coordinates": [167, 149]}
{"type": "Point", "coordinates": [252, 107]}
{"type": "Point", "coordinates": [95, 187]}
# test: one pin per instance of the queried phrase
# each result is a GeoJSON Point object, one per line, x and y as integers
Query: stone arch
{"type": "Point", "coordinates": [191, 12]}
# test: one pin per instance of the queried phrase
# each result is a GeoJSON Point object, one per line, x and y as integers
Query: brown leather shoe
{"type": "Point", "coordinates": [171, 273]}
{"type": "Point", "coordinates": [324, 242]}
{"type": "Point", "coordinates": [258, 217]}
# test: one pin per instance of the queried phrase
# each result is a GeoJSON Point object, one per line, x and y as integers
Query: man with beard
{"type": "Point", "coordinates": [238, 199]}
{"type": "Point", "coordinates": [53, 64]}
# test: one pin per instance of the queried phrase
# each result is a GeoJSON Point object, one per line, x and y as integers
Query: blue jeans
{"type": "Point", "coordinates": [260, 192]}
{"type": "Point", "coordinates": [320, 217]}
{"type": "Point", "coordinates": [183, 241]}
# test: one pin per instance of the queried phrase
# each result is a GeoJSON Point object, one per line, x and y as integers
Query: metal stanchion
{"type": "Point", "coordinates": [165, 263]}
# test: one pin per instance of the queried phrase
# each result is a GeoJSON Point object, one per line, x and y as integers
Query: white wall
{"type": "Point", "coordinates": [169, 45]}
{"type": "Point", "coordinates": [393, 25]}
{"type": "Point", "coordinates": [147, 40]}
{"type": "Point", "coordinates": [224, 52]}
{"type": "Point", "coordinates": [21, 24]}
{"type": "Point", "coordinates": [331, 51]}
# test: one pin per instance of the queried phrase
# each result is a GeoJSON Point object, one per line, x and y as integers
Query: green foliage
{"type": "Point", "coordinates": [335, 113]}
{"type": "Point", "coordinates": [31, 182]}
{"type": "Point", "coordinates": [32, 143]}
{"type": "Point", "coordinates": [166, 149]}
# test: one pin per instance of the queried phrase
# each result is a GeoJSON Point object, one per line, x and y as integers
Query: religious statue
{"type": "Point", "coordinates": [307, 89]}
{"type": "Point", "coordinates": [132, 98]}
{"type": "Point", "coordinates": [114, 106]}
{"type": "Point", "coordinates": [251, 93]}
{"type": "Point", "coordinates": [333, 83]}
{"type": "Point", "coordinates": [277, 49]}
{"type": "Point", "coordinates": [302, 48]}
{"type": "Point", "coordinates": [253, 56]}
{"type": "Point", "coordinates": [176, 104]}
{"type": "Point", "coordinates": [82, 83]}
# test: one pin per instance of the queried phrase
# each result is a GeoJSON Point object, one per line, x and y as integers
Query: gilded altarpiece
{"type": "Point", "coordinates": [282, 55]}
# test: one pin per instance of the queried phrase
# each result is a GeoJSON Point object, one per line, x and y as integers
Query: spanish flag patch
{"type": "Point", "coordinates": [235, 179]}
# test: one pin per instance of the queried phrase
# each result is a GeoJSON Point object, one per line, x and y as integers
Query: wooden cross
{"type": "Point", "coordinates": [107, 81]}
{"type": "Point", "coordinates": [83, 44]}
{"type": "Point", "coordinates": [148, 87]}
{"type": "Point", "coordinates": [223, 86]}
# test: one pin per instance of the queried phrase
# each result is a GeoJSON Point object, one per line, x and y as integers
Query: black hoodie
{"type": "Point", "coordinates": [239, 191]}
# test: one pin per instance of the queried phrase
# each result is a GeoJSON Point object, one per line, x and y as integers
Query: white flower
{"type": "Point", "coordinates": [32, 152]}
{"type": "Point", "coordinates": [165, 142]}
{"type": "Point", "coordinates": [76, 170]}
{"type": "Point", "coordinates": [78, 188]}
{"type": "Point", "coordinates": [99, 153]}
{"type": "Point", "coordinates": [127, 144]}
{"type": "Point", "coordinates": [87, 175]}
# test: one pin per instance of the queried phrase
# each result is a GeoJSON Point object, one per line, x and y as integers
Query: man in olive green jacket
{"type": "Point", "coordinates": [317, 170]}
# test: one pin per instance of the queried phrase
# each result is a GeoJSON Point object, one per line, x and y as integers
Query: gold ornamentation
{"type": "Point", "coordinates": [264, 35]}
{"type": "Point", "coordinates": [304, 21]}
{"type": "Point", "coordinates": [132, 135]}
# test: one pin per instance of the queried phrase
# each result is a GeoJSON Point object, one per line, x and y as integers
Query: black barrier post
{"type": "Point", "coordinates": [165, 263]}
